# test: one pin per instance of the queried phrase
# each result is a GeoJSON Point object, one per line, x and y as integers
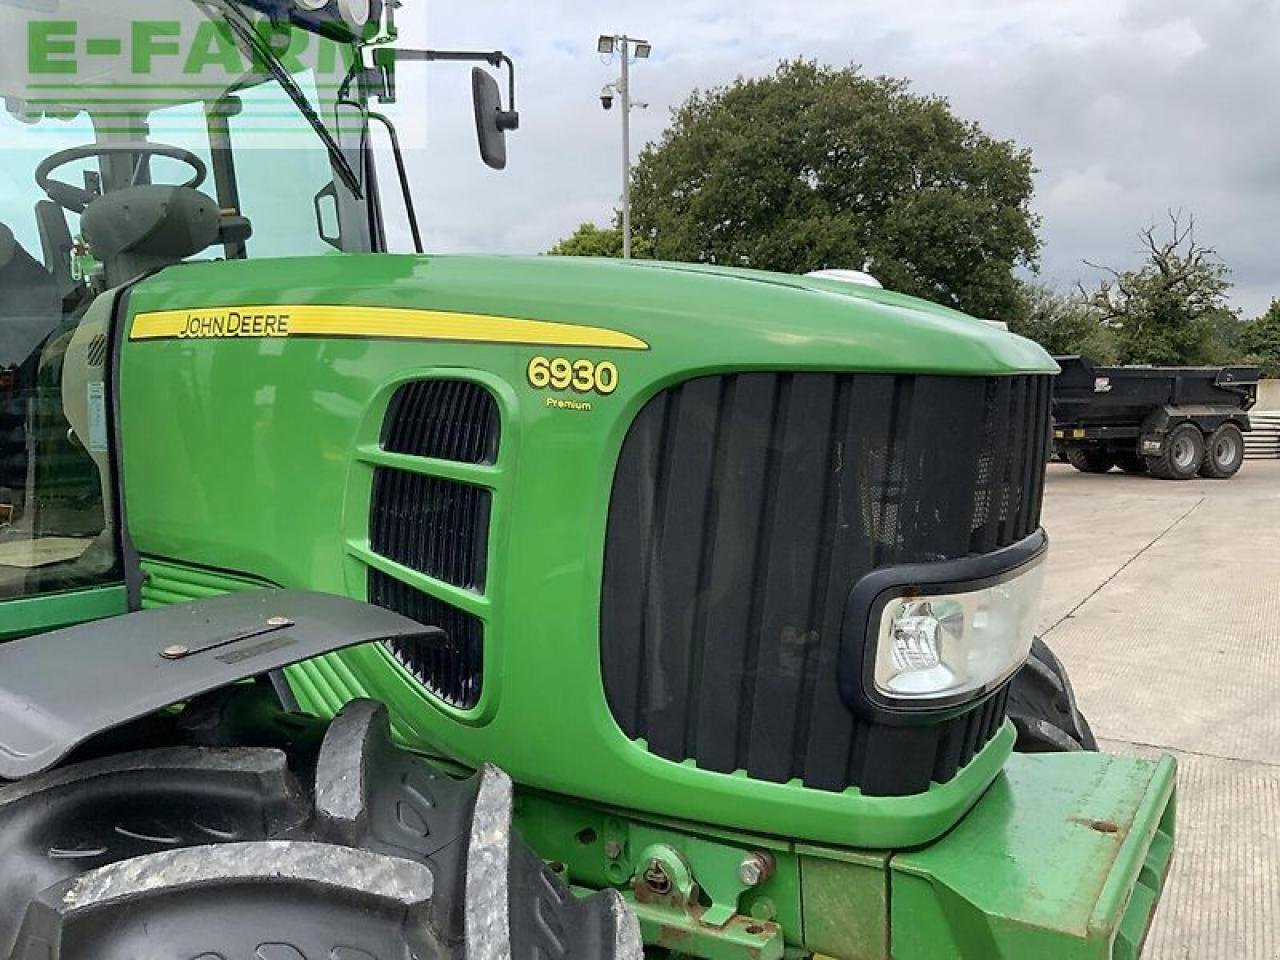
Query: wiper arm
{"type": "Point", "coordinates": [248, 35]}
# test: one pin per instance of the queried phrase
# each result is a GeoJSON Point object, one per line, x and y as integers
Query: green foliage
{"type": "Point", "coordinates": [1063, 324]}
{"type": "Point", "coordinates": [815, 167]}
{"type": "Point", "coordinates": [1260, 340]}
{"type": "Point", "coordinates": [1173, 309]}
{"type": "Point", "coordinates": [590, 240]}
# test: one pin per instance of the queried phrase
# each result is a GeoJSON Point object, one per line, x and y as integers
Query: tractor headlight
{"type": "Point", "coordinates": [952, 644]}
{"type": "Point", "coordinates": [925, 638]}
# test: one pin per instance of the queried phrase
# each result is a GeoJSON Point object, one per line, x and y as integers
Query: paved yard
{"type": "Point", "coordinates": [1163, 600]}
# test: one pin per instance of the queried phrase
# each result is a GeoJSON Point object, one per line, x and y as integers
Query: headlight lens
{"type": "Point", "coordinates": [946, 645]}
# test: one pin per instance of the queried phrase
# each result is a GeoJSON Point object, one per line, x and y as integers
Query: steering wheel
{"type": "Point", "coordinates": [75, 198]}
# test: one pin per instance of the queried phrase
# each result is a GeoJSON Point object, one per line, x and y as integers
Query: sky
{"type": "Point", "coordinates": [1131, 108]}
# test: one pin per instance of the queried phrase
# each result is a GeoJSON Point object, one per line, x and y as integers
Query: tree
{"type": "Point", "coordinates": [1172, 309]}
{"type": "Point", "coordinates": [590, 240]}
{"type": "Point", "coordinates": [1063, 324]}
{"type": "Point", "coordinates": [818, 167]}
{"type": "Point", "coordinates": [1260, 340]}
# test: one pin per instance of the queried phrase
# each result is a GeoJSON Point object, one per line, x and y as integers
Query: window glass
{"type": "Point", "coordinates": [55, 529]}
{"type": "Point", "coordinates": [132, 85]}
{"type": "Point", "coordinates": [167, 105]}
{"type": "Point", "coordinates": [283, 206]}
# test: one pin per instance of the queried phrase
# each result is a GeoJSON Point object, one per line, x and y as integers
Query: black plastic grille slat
{"type": "Point", "coordinates": [452, 669]}
{"type": "Point", "coordinates": [1041, 459]}
{"type": "Point", "coordinates": [434, 526]}
{"type": "Point", "coordinates": [443, 419]}
{"type": "Point", "coordinates": [744, 509]}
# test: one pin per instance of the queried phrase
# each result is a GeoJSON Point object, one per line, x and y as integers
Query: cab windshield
{"type": "Point", "coordinates": [135, 135]}
{"type": "Point", "coordinates": [183, 74]}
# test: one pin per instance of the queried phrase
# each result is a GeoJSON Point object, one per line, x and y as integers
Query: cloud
{"type": "Point", "coordinates": [1130, 108]}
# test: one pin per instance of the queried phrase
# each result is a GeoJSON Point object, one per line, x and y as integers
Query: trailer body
{"type": "Point", "coordinates": [1173, 422]}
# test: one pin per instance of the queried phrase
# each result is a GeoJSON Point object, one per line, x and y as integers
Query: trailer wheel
{"type": "Point", "coordinates": [1042, 706]}
{"type": "Point", "coordinates": [1223, 453]}
{"type": "Point", "coordinates": [1182, 454]}
{"type": "Point", "coordinates": [1131, 463]}
{"type": "Point", "coordinates": [1090, 459]}
{"type": "Point", "coordinates": [206, 854]}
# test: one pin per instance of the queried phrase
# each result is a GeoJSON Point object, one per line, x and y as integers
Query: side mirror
{"type": "Point", "coordinates": [492, 122]}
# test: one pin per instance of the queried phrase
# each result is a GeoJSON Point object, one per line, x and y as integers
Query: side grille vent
{"type": "Point", "coordinates": [453, 669]}
{"type": "Point", "coordinates": [434, 526]}
{"type": "Point", "coordinates": [445, 420]}
{"type": "Point", "coordinates": [744, 510]}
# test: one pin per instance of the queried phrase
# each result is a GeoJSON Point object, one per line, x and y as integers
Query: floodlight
{"type": "Point", "coordinates": [605, 44]}
{"type": "Point", "coordinates": [643, 49]}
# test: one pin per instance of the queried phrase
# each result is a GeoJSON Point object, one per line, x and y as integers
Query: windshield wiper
{"type": "Point", "coordinates": [248, 35]}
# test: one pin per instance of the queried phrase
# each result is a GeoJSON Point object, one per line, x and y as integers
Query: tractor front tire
{"type": "Point", "coordinates": [207, 853]}
{"type": "Point", "coordinates": [1090, 459]}
{"type": "Point", "coordinates": [1223, 453]}
{"type": "Point", "coordinates": [1182, 454]}
{"type": "Point", "coordinates": [1042, 706]}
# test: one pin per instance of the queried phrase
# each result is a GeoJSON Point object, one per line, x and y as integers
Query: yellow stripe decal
{"type": "Point", "coordinates": [280, 321]}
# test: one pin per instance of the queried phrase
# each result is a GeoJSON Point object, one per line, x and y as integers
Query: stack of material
{"type": "Point", "coordinates": [1263, 441]}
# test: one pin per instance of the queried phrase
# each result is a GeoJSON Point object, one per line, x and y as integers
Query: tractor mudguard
{"type": "Point", "coordinates": [60, 689]}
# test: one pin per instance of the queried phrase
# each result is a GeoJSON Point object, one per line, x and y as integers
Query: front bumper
{"type": "Point", "coordinates": [1065, 856]}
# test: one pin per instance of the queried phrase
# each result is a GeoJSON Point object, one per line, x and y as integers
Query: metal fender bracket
{"type": "Point", "coordinates": [59, 689]}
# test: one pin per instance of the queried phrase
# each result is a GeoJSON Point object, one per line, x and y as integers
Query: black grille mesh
{"type": "Point", "coordinates": [744, 509]}
{"type": "Point", "coordinates": [452, 669]}
{"type": "Point", "coordinates": [435, 526]}
{"type": "Point", "coordinates": [444, 419]}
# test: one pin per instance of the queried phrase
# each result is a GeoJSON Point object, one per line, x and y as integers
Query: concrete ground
{"type": "Point", "coordinates": [1163, 600]}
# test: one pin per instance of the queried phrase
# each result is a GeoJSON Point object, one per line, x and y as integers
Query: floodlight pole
{"type": "Point", "coordinates": [620, 44]}
{"type": "Point", "coordinates": [624, 90]}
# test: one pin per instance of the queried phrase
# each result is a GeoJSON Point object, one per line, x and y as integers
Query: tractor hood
{"type": "Point", "coordinates": [712, 318]}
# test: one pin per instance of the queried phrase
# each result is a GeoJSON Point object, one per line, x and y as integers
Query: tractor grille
{"type": "Point", "coordinates": [745, 508]}
{"type": "Point", "coordinates": [454, 668]}
{"type": "Point", "coordinates": [443, 419]}
{"type": "Point", "coordinates": [436, 526]}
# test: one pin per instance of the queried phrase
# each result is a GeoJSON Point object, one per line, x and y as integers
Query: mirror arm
{"type": "Point", "coordinates": [385, 59]}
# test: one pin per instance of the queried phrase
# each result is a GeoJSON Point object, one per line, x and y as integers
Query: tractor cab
{"type": "Point", "coordinates": [136, 137]}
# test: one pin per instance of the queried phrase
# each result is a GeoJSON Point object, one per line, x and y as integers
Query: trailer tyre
{"type": "Point", "coordinates": [1042, 706]}
{"type": "Point", "coordinates": [222, 854]}
{"type": "Point", "coordinates": [1182, 454]}
{"type": "Point", "coordinates": [1223, 453]}
{"type": "Point", "coordinates": [1090, 459]}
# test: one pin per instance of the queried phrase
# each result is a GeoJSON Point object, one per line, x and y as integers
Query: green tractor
{"type": "Point", "coordinates": [359, 605]}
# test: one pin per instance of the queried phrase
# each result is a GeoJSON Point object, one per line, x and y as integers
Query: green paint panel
{"type": "Point", "coordinates": [1064, 857]}
{"type": "Point", "coordinates": [846, 903]}
{"type": "Point", "coordinates": [37, 614]}
{"type": "Point", "coordinates": [263, 464]}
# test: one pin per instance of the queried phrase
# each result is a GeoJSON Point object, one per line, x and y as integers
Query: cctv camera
{"type": "Point", "coordinates": [606, 101]}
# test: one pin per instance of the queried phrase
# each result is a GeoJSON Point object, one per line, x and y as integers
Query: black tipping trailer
{"type": "Point", "coordinates": [1172, 422]}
